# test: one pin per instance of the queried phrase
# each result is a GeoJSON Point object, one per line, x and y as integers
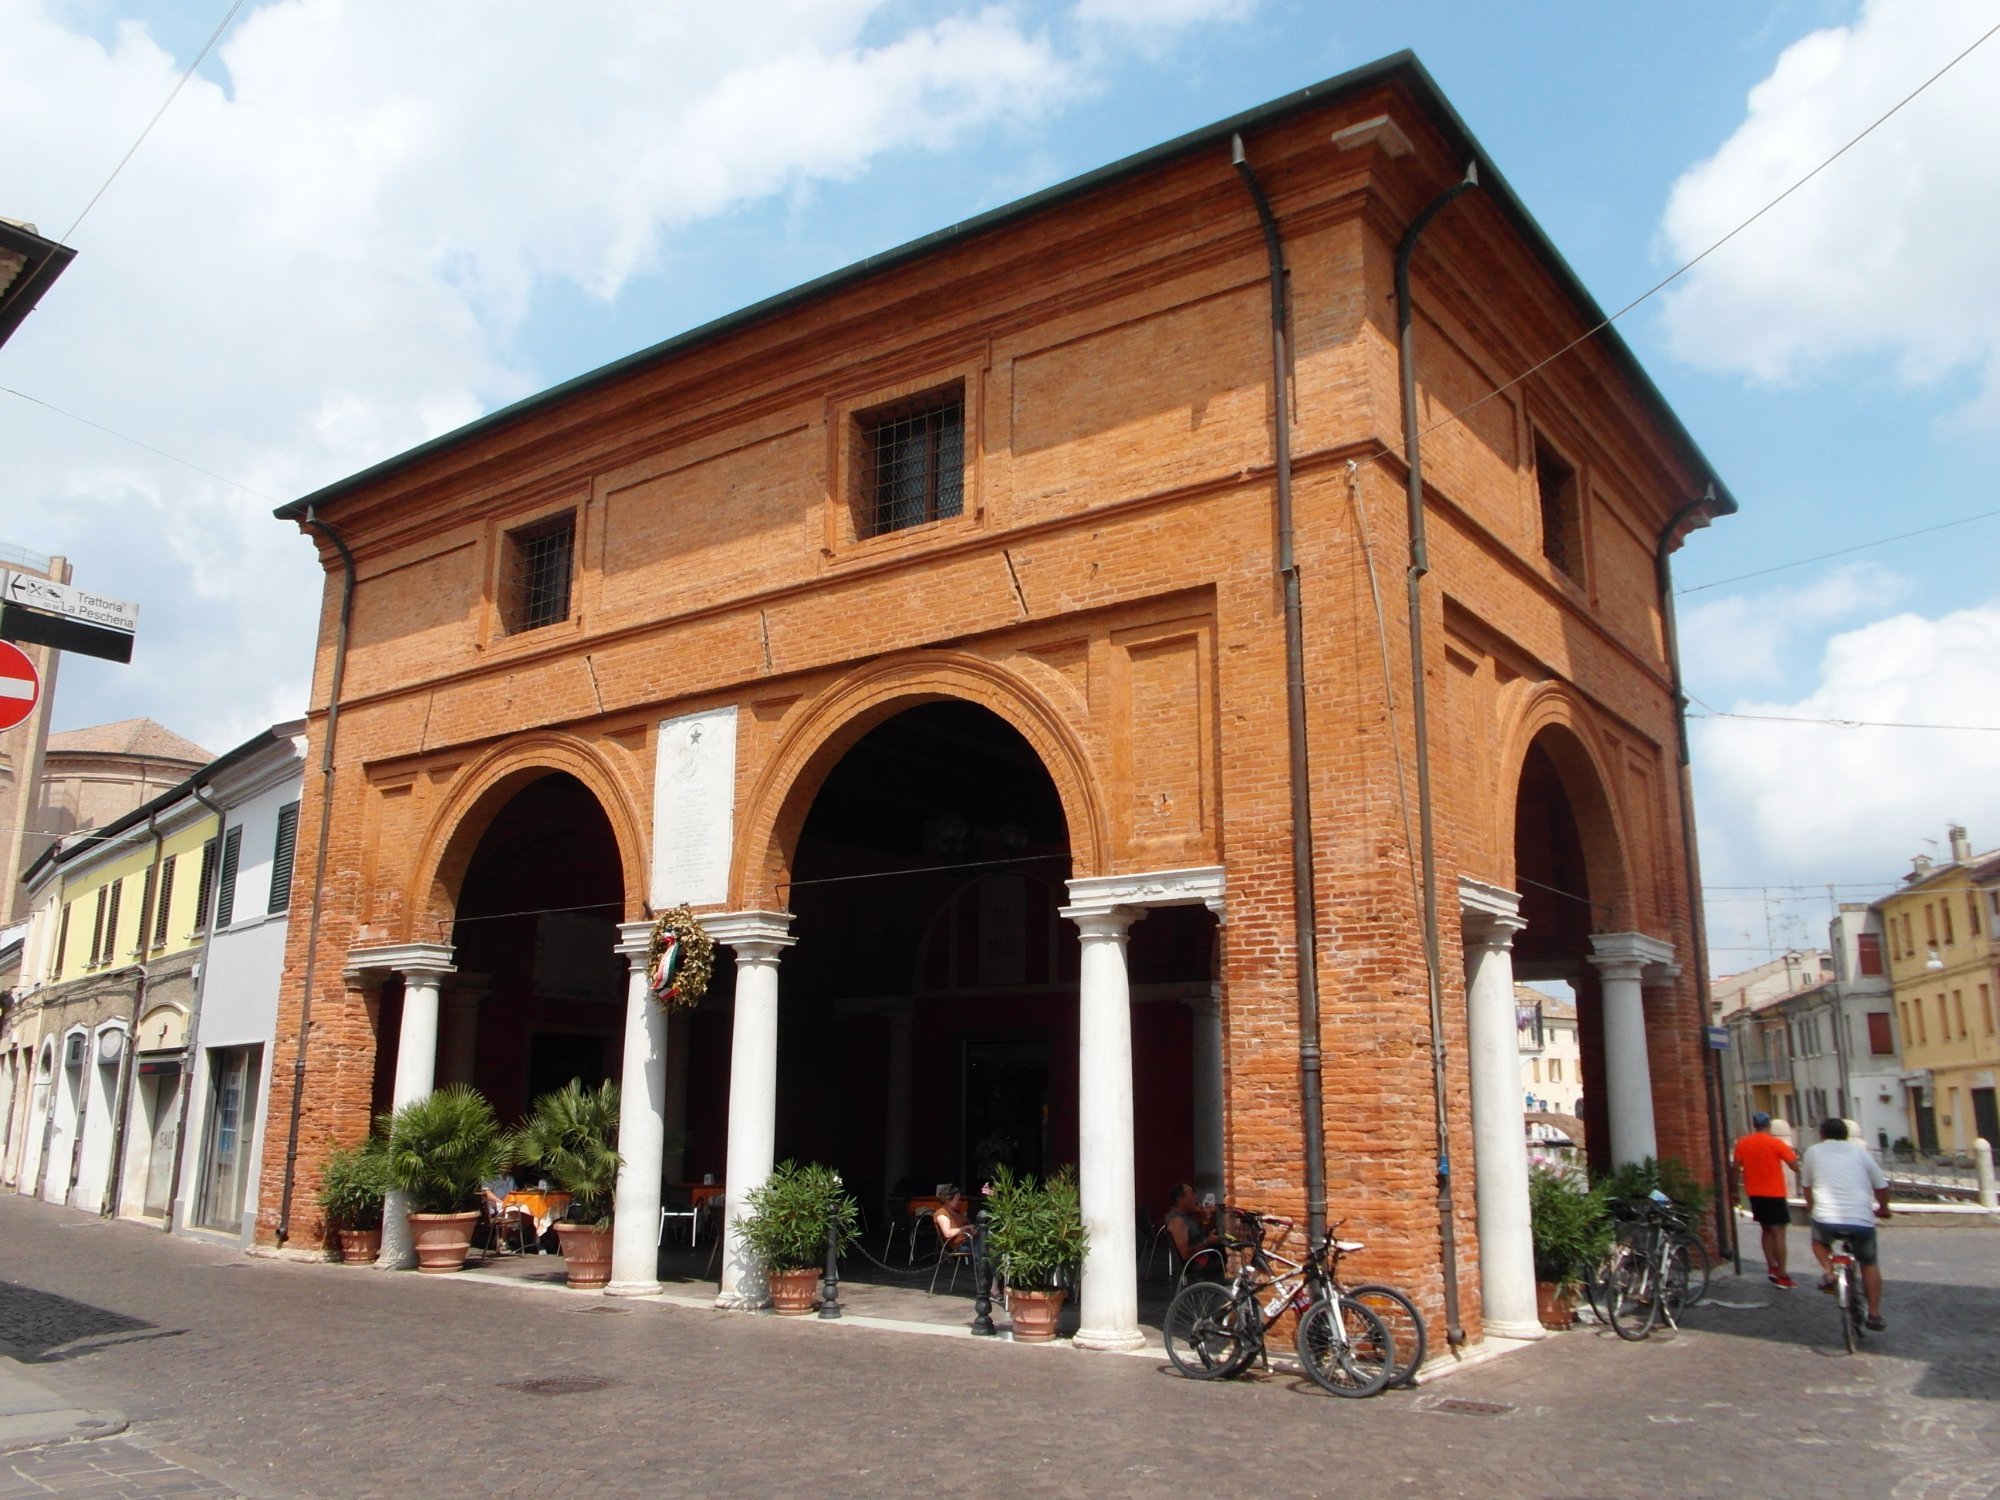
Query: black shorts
{"type": "Point", "coordinates": [1772, 1213]}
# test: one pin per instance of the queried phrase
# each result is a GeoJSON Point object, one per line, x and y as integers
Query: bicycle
{"type": "Point", "coordinates": [1647, 1276]}
{"type": "Point", "coordinates": [1637, 1217]}
{"type": "Point", "coordinates": [1848, 1295]}
{"type": "Point", "coordinates": [1214, 1331]}
{"type": "Point", "coordinates": [1395, 1311]}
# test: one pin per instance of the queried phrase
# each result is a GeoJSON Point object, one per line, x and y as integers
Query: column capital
{"type": "Point", "coordinates": [757, 936]}
{"type": "Point", "coordinates": [1488, 914]}
{"type": "Point", "coordinates": [420, 961]}
{"type": "Point", "coordinates": [635, 940]}
{"type": "Point", "coordinates": [1200, 885]}
{"type": "Point", "coordinates": [1630, 955]}
{"type": "Point", "coordinates": [1099, 923]}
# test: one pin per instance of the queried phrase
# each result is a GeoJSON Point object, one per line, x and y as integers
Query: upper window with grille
{"type": "Point", "coordinates": [911, 461]}
{"type": "Point", "coordinates": [536, 563]}
{"type": "Point", "coordinates": [1562, 511]}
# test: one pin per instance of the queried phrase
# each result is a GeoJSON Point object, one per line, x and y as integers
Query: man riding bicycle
{"type": "Point", "coordinates": [1840, 1178]}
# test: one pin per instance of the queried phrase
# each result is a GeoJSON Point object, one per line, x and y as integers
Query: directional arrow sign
{"type": "Point", "coordinates": [20, 686]}
{"type": "Point", "coordinates": [48, 613]}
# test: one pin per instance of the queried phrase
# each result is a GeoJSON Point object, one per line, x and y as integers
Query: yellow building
{"type": "Point", "coordinates": [1944, 970]}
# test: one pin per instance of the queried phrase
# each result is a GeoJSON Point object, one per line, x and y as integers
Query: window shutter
{"type": "Point", "coordinates": [205, 886]}
{"type": "Point", "coordinates": [281, 857]}
{"type": "Point", "coordinates": [97, 929]}
{"type": "Point", "coordinates": [145, 909]}
{"type": "Point", "coordinates": [161, 911]}
{"type": "Point", "coordinates": [62, 941]}
{"type": "Point", "coordinates": [1868, 951]}
{"type": "Point", "coordinates": [225, 900]}
{"type": "Point", "coordinates": [111, 922]}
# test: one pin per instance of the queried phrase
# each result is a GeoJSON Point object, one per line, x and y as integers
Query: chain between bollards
{"type": "Point", "coordinates": [982, 1299]}
{"type": "Point", "coordinates": [829, 1287]}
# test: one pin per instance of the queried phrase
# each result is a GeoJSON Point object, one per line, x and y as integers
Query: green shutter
{"type": "Point", "coordinates": [225, 900]}
{"type": "Point", "coordinates": [281, 857]}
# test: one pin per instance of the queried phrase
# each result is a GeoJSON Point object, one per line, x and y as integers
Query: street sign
{"type": "Point", "coordinates": [20, 686]}
{"type": "Point", "coordinates": [48, 613]}
{"type": "Point", "coordinates": [1718, 1038]}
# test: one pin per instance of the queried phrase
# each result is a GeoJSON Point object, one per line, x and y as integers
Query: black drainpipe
{"type": "Point", "coordinates": [1711, 1061]}
{"type": "Point", "coordinates": [319, 866]}
{"type": "Point", "coordinates": [1305, 920]}
{"type": "Point", "coordinates": [1406, 354]}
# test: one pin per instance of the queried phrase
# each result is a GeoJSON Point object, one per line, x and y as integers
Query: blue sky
{"type": "Point", "coordinates": [364, 223]}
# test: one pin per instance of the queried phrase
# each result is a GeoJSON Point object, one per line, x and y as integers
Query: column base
{"type": "Point", "coordinates": [1108, 1342]}
{"type": "Point", "coordinates": [740, 1302]}
{"type": "Point", "coordinates": [1496, 1329]}
{"type": "Point", "coordinates": [634, 1289]}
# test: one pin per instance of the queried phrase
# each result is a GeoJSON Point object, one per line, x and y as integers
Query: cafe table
{"type": "Point", "coordinates": [542, 1205]}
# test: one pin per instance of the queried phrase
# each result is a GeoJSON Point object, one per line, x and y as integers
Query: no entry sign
{"type": "Point", "coordinates": [20, 685]}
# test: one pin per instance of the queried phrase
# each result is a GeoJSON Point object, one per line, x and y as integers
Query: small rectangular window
{"type": "Point", "coordinates": [1950, 936]}
{"type": "Point", "coordinates": [536, 562]}
{"type": "Point", "coordinates": [1958, 1010]}
{"type": "Point", "coordinates": [911, 460]}
{"type": "Point", "coordinates": [1972, 915]}
{"type": "Point", "coordinates": [166, 902]}
{"type": "Point", "coordinates": [204, 894]}
{"type": "Point", "coordinates": [225, 899]}
{"type": "Point", "coordinates": [1868, 953]}
{"type": "Point", "coordinates": [1562, 511]}
{"type": "Point", "coordinates": [1880, 1043]}
{"type": "Point", "coordinates": [1930, 923]}
{"type": "Point", "coordinates": [1986, 1008]}
{"type": "Point", "coordinates": [281, 857]}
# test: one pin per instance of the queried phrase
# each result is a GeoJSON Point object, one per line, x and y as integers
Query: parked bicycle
{"type": "Point", "coordinates": [1214, 1330]}
{"type": "Point", "coordinates": [1648, 1275]}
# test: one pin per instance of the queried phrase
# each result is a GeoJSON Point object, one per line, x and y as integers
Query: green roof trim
{"type": "Point", "coordinates": [1401, 67]}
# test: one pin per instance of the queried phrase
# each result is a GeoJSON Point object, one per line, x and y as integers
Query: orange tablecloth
{"type": "Point", "coordinates": [543, 1208]}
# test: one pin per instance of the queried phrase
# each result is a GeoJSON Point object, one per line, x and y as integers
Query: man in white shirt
{"type": "Point", "coordinates": [1848, 1192]}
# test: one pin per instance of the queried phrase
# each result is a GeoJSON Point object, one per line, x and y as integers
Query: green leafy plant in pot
{"type": "Point", "coordinates": [441, 1149]}
{"type": "Point", "coordinates": [352, 1184]}
{"type": "Point", "coordinates": [785, 1225]}
{"type": "Point", "coordinates": [1036, 1239]}
{"type": "Point", "coordinates": [571, 1138]}
{"type": "Point", "coordinates": [1571, 1231]}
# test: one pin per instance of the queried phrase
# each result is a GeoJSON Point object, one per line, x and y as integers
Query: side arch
{"type": "Point", "coordinates": [1562, 728]}
{"type": "Point", "coordinates": [775, 811]}
{"type": "Point", "coordinates": [484, 788]}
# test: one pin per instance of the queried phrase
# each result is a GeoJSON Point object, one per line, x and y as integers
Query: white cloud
{"type": "Point", "coordinates": [327, 256]}
{"type": "Point", "coordinates": [1740, 641]}
{"type": "Point", "coordinates": [1887, 253]}
{"type": "Point", "coordinates": [1817, 802]}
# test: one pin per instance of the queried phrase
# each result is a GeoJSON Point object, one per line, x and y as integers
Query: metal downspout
{"type": "Point", "coordinates": [1305, 920]}
{"type": "Point", "coordinates": [319, 866]}
{"type": "Point", "coordinates": [193, 1028]}
{"type": "Point", "coordinates": [1406, 357]}
{"type": "Point", "coordinates": [1711, 1067]}
{"type": "Point", "coordinates": [121, 1100]}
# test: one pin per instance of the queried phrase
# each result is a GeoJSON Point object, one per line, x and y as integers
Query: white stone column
{"type": "Point", "coordinates": [423, 967]}
{"type": "Point", "coordinates": [642, 1097]}
{"type": "Point", "coordinates": [896, 1123]}
{"type": "Point", "coordinates": [1622, 959]}
{"type": "Point", "coordinates": [1205, 1090]}
{"type": "Point", "coordinates": [1110, 1291]}
{"type": "Point", "coordinates": [1490, 918]}
{"type": "Point", "coordinates": [758, 938]}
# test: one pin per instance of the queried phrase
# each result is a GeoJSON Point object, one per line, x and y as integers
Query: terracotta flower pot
{"type": "Point", "coordinates": [441, 1240]}
{"type": "Point", "coordinates": [586, 1253]}
{"type": "Point", "coordinates": [1035, 1315]}
{"type": "Point", "coordinates": [1555, 1305]}
{"type": "Point", "coordinates": [793, 1292]}
{"type": "Point", "coordinates": [359, 1247]}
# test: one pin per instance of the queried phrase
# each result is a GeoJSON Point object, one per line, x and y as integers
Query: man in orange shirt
{"type": "Point", "coordinates": [1762, 1157]}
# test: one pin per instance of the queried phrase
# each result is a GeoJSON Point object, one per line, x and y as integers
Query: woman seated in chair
{"type": "Point", "coordinates": [953, 1218]}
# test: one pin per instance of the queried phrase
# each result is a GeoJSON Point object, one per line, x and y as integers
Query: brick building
{"type": "Point", "coordinates": [927, 629]}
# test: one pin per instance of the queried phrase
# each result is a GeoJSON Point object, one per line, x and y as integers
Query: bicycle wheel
{"type": "Point", "coordinates": [1351, 1356]}
{"type": "Point", "coordinates": [1676, 1280]}
{"type": "Point", "coordinates": [1632, 1304]}
{"type": "Point", "coordinates": [1847, 1293]}
{"type": "Point", "coordinates": [1699, 1266]}
{"type": "Point", "coordinates": [1402, 1322]}
{"type": "Point", "coordinates": [1201, 1332]}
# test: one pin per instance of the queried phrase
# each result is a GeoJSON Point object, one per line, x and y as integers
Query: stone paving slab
{"type": "Point", "coordinates": [283, 1378]}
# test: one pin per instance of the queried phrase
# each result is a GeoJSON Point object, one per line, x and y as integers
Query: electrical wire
{"type": "Point", "coordinates": [1847, 723]}
{"type": "Point", "coordinates": [199, 58]}
{"type": "Point", "coordinates": [1901, 536]}
{"type": "Point", "coordinates": [123, 438]}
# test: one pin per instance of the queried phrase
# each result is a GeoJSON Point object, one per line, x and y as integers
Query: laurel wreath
{"type": "Point", "coordinates": [680, 960]}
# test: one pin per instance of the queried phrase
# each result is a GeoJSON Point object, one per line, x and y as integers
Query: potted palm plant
{"type": "Point", "coordinates": [571, 1138]}
{"type": "Point", "coordinates": [351, 1185]}
{"type": "Point", "coordinates": [1571, 1231]}
{"type": "Point", "coordinates": [1036, 1239]}
{"type": "Point", "coordinates": [786, 1228]}
{"type": "Point", "coordinates": [441, 1150]}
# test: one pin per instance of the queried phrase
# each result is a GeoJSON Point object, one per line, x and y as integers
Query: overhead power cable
{"type": "Point", "coordinates": [1846, 723]}
{"type": "Point", "coordinates": [1901, 536]}
{"type": "Point", "coordinates": [171, 458]}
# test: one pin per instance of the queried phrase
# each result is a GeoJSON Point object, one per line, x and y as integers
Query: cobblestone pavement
{"type": "Point", "coordinates": [278, 1378]}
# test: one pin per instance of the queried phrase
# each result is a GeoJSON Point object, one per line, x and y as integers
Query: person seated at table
{"type": "Point", "coordinates": [1189, 1225]}
{"type": "Point", "coordinates": [953, 1218]}
{"type": "Point", "coordinates": [495, 1190]}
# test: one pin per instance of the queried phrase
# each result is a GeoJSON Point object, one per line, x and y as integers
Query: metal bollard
{"type": "Point", "coordinates": [1982, 1161]}
{"type": "Point", "coordinates": [982, 1299]}
{"type": "Point", "coordinates": [829, 1287]}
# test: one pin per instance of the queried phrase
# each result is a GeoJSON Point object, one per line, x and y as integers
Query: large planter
{"type": "Point", "coordinates": [1555, 1305]}
{"type": "Point", "coordinates": [586, 1251]}
{"type": "Point", "coordinates": [442, 1240]}
{"type": "Point", "coordinates": [793, 1292]}
{"type": "Point", "coordinates": [360, 1247]}
{"type": "Point", "coordinates": [1035, 1315]}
